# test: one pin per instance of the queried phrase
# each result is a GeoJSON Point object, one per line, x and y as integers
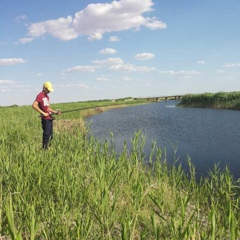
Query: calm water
{"type": "Point", "coordinates": [208, 136]}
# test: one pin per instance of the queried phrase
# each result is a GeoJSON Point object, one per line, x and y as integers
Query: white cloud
{"type": "Point", "coordinates": [6, 81]}
{"type": "Point", "coordinates": [102, 79]}
{"type": "Point", "coordinates": [97, 19]}
{"type": "Point", "coordinates": [81, 69]}
{"type": "Point", "coordinates": [201, 62]}
{"type": "Point", "coordinates": [5, 85]}
{"type": "Point", "coordinates": [20, 18]}
{"type": "Point", "coordinates": [132, 68]}
{"type": "Point", "coordinates": [107, 51]}
{"type": "Point", "coordinates": [25, 40]}
{"type": "Point", "coordinates": [113, 39]}
{"type": "Point", "coordinates": [183, 74]}
{"type": "Point", "coordinates": [11, 61]}
{"type": "Point", "coordinates": [144, 56]}
{"type": "Point", "coordinates": [59, 28]}
{"type": "Point", "coordinates": [21, 86]}
{"type": "Point", "coordinates": [153, 24]}
{"type": "Point", "coordinates": [109, 61]}
{"type": "Point", "coordinates": [125, 78]}
{"type": "Point", "coordinates": [5, 90]}
{"type": "Point", "coordinates": [95, 36]}
{"type": "Point", "coordinates": [80, 85]}
{"type": "Point", "coordinates": [114, 64]}
{"type": "Point", "coordinates": [228, 65]}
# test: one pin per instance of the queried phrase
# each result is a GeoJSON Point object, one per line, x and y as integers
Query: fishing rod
{"type": "Point", "coordinates": [74, 110]}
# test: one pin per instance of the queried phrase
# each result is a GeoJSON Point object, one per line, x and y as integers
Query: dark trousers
{"type": "Point", "coordinates": [47, 127]}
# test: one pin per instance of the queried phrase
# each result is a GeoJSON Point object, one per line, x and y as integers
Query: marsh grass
{"type": "Point", "coordinates": [81, 189]}
{"type": "Point", "coordinates": [224, 100]}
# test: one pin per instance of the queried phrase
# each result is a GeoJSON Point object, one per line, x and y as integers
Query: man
{"type": "Point", "coordinates": [42, 105]}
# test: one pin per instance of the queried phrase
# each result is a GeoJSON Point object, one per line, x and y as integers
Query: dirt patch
{"type": "Point", "coordinates": [92, 111]}
{"type": "Point", "coordinates": [70, 125]}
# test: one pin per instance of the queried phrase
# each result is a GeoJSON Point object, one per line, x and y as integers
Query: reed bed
{"type": "Point", "coordinates": [223, 100]}
{"type": "Point", "coordinates": [82, 189]}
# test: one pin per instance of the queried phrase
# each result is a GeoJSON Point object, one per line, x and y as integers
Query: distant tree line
{"type": "Point", "coordinates": [225, 100]}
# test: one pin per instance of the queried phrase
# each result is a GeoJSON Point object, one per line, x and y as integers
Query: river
{"type": "Point", "coordinates": [207, 136]}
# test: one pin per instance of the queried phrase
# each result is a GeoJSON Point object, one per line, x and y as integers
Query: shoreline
{"type": "Point", "coordinates": [68, 124]}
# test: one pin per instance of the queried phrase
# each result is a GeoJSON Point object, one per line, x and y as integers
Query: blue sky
{"type": "Point", "coordinates": [92, 50]}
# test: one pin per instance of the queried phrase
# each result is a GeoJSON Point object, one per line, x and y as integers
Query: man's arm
{"type": "Point", "coordinates": [36, 107]}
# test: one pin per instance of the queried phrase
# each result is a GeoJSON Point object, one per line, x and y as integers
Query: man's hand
{"type": "Point", "coordinates": [58, 112]}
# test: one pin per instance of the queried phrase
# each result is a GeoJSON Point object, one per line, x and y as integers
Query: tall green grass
{"type": "Point", "coordinates": [82, 189]}
{"type": "Point", "coordinates": [228, 100]}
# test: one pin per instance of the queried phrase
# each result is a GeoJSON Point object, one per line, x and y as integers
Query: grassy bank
{"type": "Point", "coordinates": [224, 100]}
{"type": "Point", "coordinates": [81, 189]}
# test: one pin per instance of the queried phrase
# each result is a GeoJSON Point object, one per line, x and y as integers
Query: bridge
{"type": "Point", "coordinates": [165, 98]}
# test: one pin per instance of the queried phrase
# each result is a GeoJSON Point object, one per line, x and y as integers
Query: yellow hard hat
{"type": "Point", "coordinates": [48, 86]}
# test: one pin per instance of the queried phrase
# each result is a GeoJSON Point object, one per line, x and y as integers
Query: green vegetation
{"type": "Point", "coordinates": [227, 100]}
{"type": "Point", "coordinates": [81, 189]}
